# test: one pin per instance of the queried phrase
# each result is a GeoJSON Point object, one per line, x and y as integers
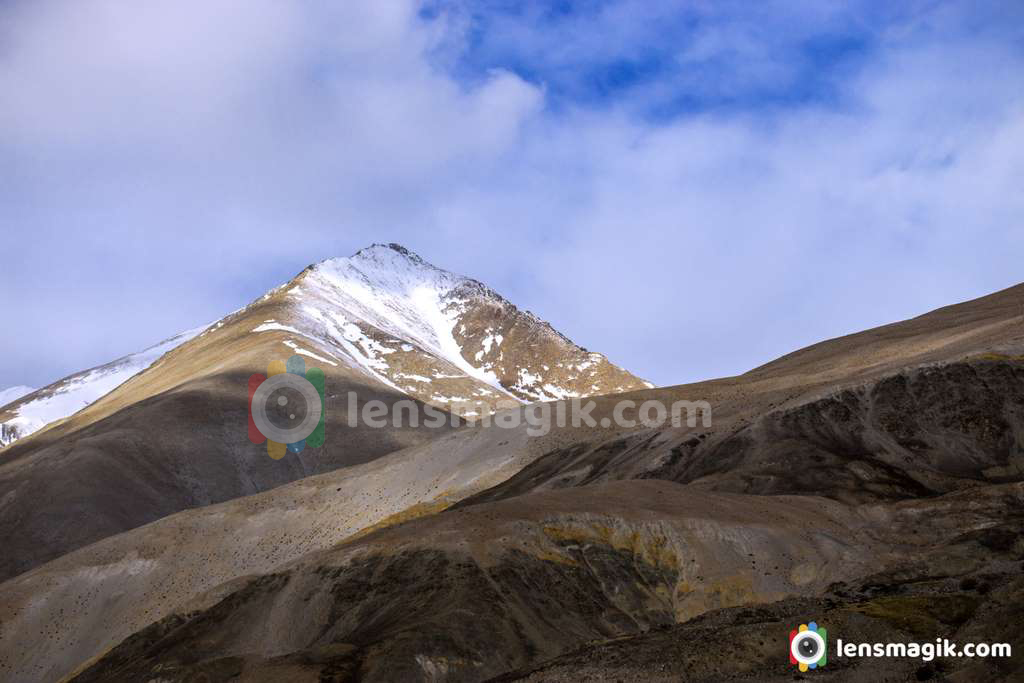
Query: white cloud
{"type": "Point", "coordinates": [161, 163]}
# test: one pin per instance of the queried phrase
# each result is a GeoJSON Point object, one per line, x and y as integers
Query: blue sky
{"type": "Point", "coordinates": [665, 60]}
{"type": "Point", "coordinates": [692, 188]}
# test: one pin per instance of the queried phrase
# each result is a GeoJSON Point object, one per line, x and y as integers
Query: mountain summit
{"type": "Point", "coordinates": [124, 444]}
{"type": "Point", "coordinates": [439, 337]}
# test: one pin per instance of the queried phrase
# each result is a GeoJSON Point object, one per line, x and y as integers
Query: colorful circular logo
{"type": "Point", "coordinates": [286, 408]}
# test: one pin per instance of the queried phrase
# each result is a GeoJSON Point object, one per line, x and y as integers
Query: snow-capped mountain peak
{"type": "Point", "coordinates": [436, 335]}
{"type": "Point", "coordinates": [433, 335]}
{"type": "Point", "coordinates": [392, 289]}
{"type": "Point", "coordinates": [395, 291]}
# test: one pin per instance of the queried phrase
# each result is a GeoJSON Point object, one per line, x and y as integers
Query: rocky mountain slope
{"type": "Point", "coordinates": [470, 594]}
{"type": "Point", "coordinates": [875, 475]}
{"type": "Point", "coordinates": [29, 411]}
{"type": "Point", "coordinates": [442, 338]}
{"type": "Point", "coordinates": [429, 333]}
{"type": "Point", "coordinates": [382, 324]}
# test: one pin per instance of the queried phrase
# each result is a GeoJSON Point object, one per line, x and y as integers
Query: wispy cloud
{"type": "Point", "coordinates": [692, 189]}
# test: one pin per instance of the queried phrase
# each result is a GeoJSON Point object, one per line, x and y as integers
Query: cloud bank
{"type": "Point", "coordinates": [692, 189]}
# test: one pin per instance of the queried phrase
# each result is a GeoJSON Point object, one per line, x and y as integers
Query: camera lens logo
{"type": "Point", "coordinates": [286, 407]}
{"type": "Point", "coordinates": [808, 646]}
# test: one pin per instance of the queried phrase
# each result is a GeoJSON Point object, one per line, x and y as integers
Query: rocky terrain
{"type": "Point", "coordinates": [382, 324]}
{"type": "Point", "coordinates": [439, 337]}
{"type": "Point", "coordinates": [622, 568]}
{"type": "Point", "coordinates": [872, 482]}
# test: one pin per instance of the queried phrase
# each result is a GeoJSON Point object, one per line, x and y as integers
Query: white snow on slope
{"type": "Point", "coordinates": [385, 299]}
{"type": "Point", "coordinates": [271, 325]}
{"type": "Point", "coordinates": [397, 293]}
{"type": "Point", "coordinates": [13, 394]}
{"type": "Point", "coordinates": [304, 352]}
{"type": "Point", "coordinates": [73, 393]}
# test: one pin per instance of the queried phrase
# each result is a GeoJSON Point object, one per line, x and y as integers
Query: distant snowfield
{"type": "Point", "coordinates": [77, 391]}
{"type": "Point", "coordinates": [13, 394]}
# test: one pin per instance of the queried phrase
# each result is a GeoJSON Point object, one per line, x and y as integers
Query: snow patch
{"type": "Point", "coordinates": [271, 325]}
{"type": "Point", "coordinates": [12, 394]}
{"type": "Point", "coordinates": [303, 352]}
{"type": "Point", "coordinates": [71, 394]}
{"type": "Point", "coordinates": [415, 378]}
{"type": "Point", "coordinates": [403, 297]}
{"type": "Point", "coordinates": [558, 393]}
